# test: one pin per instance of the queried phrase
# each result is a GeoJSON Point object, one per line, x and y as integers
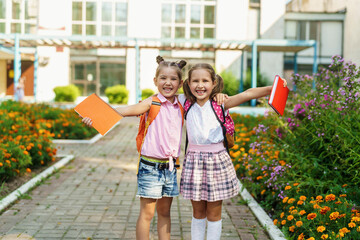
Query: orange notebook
{"type": "Point", "coordinates": [103, 116]}
{"type": "Point", "coordinates": [278, 95]}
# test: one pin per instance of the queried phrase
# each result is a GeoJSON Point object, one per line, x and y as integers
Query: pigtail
{"type": "Point", "coordinates": [159, 59]}
{"type": "Point", "coordinates": [219, 86]}
{"type": "Point", "coordinates": [187, 92]}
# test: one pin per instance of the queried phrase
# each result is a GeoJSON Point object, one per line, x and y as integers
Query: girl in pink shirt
{"type": "Point", "coordinates": [157, 182]}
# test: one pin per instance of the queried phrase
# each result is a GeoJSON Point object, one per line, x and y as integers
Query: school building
{"type": "Point", "coordinates": [90, 43]}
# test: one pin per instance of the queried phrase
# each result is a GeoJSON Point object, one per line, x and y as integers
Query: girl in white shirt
{"type": "Point", "coordinates": [208, 176]}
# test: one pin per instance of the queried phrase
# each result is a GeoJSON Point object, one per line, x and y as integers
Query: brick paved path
{"type": "Point", "coordinates": [93, 197]}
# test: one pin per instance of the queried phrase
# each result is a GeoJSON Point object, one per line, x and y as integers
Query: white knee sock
{"type": "Point", "coordinates": [198, 229]}
{"type": "Point", "coordinates": [214, 230]}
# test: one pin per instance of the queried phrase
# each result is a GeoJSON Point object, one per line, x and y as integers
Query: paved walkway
{"type": "Point", "coordinates": [93, 197]}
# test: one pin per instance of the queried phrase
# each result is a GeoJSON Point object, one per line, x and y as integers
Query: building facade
{"type": "Point", "coordinates": [95, 69]}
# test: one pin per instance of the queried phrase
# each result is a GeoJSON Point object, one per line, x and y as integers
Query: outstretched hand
{"type": "Point", "coordinates": [87, 121]}
{"type": "Point", "coordinates": [220, 98]}
{"type": "Point", "coordinates": [285, 82]}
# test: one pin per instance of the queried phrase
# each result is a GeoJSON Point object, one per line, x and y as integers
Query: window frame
{"type": "Point", "coordinates": [188, 25]}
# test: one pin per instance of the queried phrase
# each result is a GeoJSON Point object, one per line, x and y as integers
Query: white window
{"type": "Point", "coordinates": [18, 16]}
{"type": "Point", "coordinates": [100, 18]}
{"type": "Point", "coordinates": [190, 19]}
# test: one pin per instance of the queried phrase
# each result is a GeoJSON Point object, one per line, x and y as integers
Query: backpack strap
{"type": "Point", "coordinates": [187, 106]}
{"type": "Point", "coordinates": [220, 116]}
{"type": "Point", "coordinates": [153, 112]}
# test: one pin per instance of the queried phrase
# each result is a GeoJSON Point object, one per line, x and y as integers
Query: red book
{"type": "Point", "coordinates": [278, 95]}
{"type": "Point", "coordinates": [102, 115]}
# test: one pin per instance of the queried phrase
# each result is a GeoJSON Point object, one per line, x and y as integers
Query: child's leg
{"type": "Point", "coordinates": [164, 221]}
{"type": "Point", "coordinates": [198, 223]}
{"type": "Point", "coordinates": [147, 210]}
{"type": "Point", "coordinates": [213, 213]}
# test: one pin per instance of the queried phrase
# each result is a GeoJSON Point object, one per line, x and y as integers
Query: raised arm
{"type": "Point", "coordinates": [252, 93]}
{"type": "Point", "coordinates": [136, 109]}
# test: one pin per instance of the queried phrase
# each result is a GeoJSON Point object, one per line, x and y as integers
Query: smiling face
{"type": "Point", "coordinates": [168, 82]}
{"type": "Point", "coordinates": [201, 85]}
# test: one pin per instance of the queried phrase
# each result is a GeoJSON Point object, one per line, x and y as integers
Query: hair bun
{"type": "Point", "coordinates": [159, 59]}
{"type": "Point", "coordinates": [181, 64]}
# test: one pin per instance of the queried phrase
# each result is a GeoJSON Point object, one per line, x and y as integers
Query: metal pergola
{"type": "Point", "coordinates": [11, 44]}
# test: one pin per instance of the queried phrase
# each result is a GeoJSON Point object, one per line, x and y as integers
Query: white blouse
{"type": "Point", "coordinates": [202, 125]}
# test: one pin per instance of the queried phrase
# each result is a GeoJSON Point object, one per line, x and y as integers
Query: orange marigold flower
{"type": "Point", "coordinates": [282, 163]}
{"type": "Point", "coordinates": [28, 170]}
{"type": "Point", "coordinates": [263, 191]}
{"type": "Point", "coordinates": [358, 229]}
{"type": "Point", "coordinates": [290, 217]}
{"type": "Point", "coordinates": [345, 185]}
{"type": "Point", "coordinates": [311, 238]}
{"type": "Point", "coordinates": [311, 216]}
{"type": "Point", "coordinates": [1, 164]}
{"type": "Point", "coordinates": [355, 219]}
{"type": "Point", "coordinates": [39, 146]}
{"type": "Point", "coordinates": [285, 199]}
{"type": "Point", "coordinates": [291, 200]}
{"type": "Point", "coordinates": [316, 206]}
{"type": "Point", "coordinates": [17, 171]}
{"type": "Point", "coordinates": [275, 221]}
{"type": "Point", "coordinates": [352, 225]}
{"type": "Point", "coordinates": [324, 236]}
{"type": "Point", "coordinates": [42, 162]}
{"type": "Point", "coordinates": [26, 152]}
{"type": "Point", "coordinates": [324, 210]}
{"type": "Point", "coordinates": [283, 222]}
{"type": "Point", "coordinates": [287, 187]}
{"type": "Point", "coordinates": [282, 215]}
{"type": "Point", "coordinates": [330, 197]}
{"type": "Point", "coordinates": [299, 223]}
{"type": "Point", "coordinates": [296, 184]}
{"type": "Point", "coordinates": [259, 177]}
{"type": "Point", "coordinates": [338, 202]}
{"type": "Point", "coordinates": [319, 198]}
{"type": "Point", "coordinates": [302, 198]}
{"type": "Point", "coordinates": [302, 212]}
{"type": "Point", "coordinates": [7, 161]}
{"type": "Point", "coordinates": [342, 195]}
{"type": "Point", "coordinates": [292, 228]}
{"type": "Point", "coordinates": [321, 229]}
{"type": "Point", "coordinates": [334, 215]}
{"type": "Point", "coordinates": [300, 202]}
{"type": "Point", "coordinates": [294, 212]}
{"type": "Point", "coordinates": [301, 237]}
{"type": "Point", "coordinates": [344, 230]}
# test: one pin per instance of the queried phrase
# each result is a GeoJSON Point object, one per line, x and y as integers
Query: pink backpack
{"type": "Point", "coordinates": [226, 122]}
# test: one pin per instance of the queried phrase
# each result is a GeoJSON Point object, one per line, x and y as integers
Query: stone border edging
{"type": "Point", "coordinates": [274, 232]}
{"type": "Point", "coordinates": [5, 202]}
{"type": "Point", "coordinates": [90, 141]}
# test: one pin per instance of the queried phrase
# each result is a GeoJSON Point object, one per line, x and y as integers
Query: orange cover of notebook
{"type": "Point", "coordinates": [278, 95]}
{"type": "Point", "coordinates": [103, 116]}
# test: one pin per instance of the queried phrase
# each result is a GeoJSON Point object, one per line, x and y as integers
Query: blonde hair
{"type": "Point", "coordinates": [177, 65]}
{"type": "Point", "coordinates": [216, 79]}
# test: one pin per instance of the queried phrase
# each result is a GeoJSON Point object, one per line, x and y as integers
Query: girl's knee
{"type": "Point", "coordinates": [163, 212]}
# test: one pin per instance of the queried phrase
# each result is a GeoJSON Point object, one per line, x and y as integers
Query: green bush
{"type": "Point", "coordinates": [117, 94]}
{"type": "Point", "coordinates": [66, 93]}
{"type": "Point", "coordinates": [147, 92]}
{"type": "Point", "coordinates": [231, 84]}
{"type": "Point", "coordinates": [261, 81]}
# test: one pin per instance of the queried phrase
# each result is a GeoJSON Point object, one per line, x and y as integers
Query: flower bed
{"type": "Point", "coordinates": [26, 135]}
{"type": "Point", "coordinates": [303, 168]}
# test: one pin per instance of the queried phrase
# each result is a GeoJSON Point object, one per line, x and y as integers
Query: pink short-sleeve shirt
{"type": "Point", "coordinates": [163, 138]}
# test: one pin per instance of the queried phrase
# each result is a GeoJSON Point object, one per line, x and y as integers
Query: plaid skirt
{"type": "Point", "coordinates": [208, 176]}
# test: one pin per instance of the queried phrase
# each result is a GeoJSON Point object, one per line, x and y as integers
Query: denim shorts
{"type": "Point", "coordinates": [155, 183]}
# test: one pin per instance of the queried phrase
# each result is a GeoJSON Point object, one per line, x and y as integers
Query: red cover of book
{"type": "Point", "coordinates": [278, 95]}
{"type": "Point", "coordinates": [102, 115]}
